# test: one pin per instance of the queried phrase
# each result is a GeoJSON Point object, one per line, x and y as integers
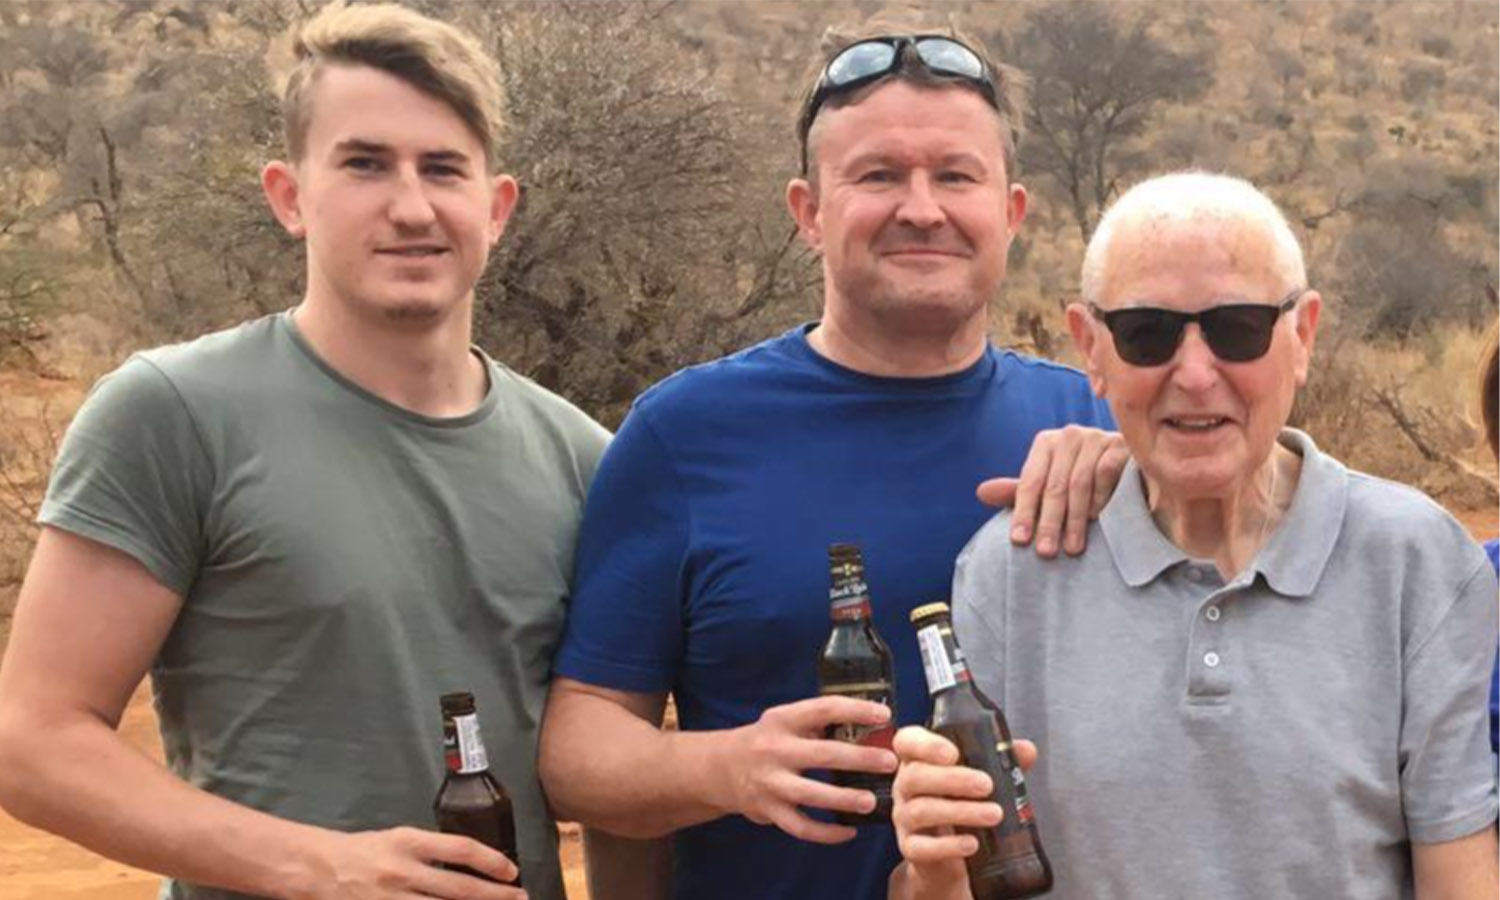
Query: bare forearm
{"type": "Point", "coordinates": [607, 768]}
{"type": "Point", "coordinates": [81, 780]}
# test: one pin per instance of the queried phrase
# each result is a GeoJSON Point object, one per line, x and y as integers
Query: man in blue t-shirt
{"type": "Point", "coordinates": [702, 568]}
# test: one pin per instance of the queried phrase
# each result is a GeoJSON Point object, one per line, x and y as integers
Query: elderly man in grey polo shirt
{"type": "Point", "coordinates": [1266, 676]}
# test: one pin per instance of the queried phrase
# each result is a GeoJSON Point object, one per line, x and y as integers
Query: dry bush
{"type": "Point", "coordinates": [1402, 410]}
{"type": "Point", "coordinates": [27, 447]}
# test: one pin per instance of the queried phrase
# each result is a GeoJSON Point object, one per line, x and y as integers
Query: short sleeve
{"type": "Point", "coordinates": [625, 621]}
{"type": "Point", "coordinates": [979, 599]}
{"type": "Point", "coordinates": [132, 474]}
{"type": "Point", "coordinates": [1447, 774]}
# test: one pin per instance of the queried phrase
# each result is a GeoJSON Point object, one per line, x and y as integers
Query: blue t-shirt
{"type": "Point", "coordinates": [1493, 549]}
{"type": "Point", "coordinates": [702, 563]}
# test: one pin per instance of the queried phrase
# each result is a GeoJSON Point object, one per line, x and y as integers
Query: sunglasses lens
{"type": "Point", "coordinates": [950, 58]}
{"type": "Point", "coordinates": [1145, 337]}
{"type": "Point", "coordinates": [1240, 332]}
{"type": "Point", "coordinates": [860, 61]}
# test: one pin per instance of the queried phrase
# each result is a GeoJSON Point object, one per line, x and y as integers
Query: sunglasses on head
{"type": "Point", "coordinates": [1235, 332]}
{"type": "Point", "coordinates": [869, 60]}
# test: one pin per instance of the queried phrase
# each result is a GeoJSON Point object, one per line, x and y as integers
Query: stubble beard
{"type": "Point", "coordinates": [923, 310]}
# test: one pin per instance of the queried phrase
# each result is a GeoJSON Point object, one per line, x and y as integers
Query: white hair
{"type": "Point", "coordinates": [1188, 198]}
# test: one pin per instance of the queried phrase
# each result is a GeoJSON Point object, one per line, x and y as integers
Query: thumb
{"type": "Point", "coordinates": [998, 492]}
{"type": "Point", "coordinates": [1025, 754]}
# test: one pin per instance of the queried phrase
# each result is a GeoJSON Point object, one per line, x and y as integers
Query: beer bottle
{"type": "Point", "coordinates": [856, 663]}
{"type": "Point", "coordinates": [471, 802]}
{"type": "Point", "coordinates": [1010, 862]}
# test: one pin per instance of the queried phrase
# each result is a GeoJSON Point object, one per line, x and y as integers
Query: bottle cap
{"type": "Point", "coordinates": [930, 609]}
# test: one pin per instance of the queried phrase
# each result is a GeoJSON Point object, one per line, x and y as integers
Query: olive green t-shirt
{"type": "Point", "coordinates": [343, 562]}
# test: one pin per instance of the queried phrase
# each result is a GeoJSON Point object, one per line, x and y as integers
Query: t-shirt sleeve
{"type": "Point", "coordinates": [625, 621]}
{"type": "Point", "coordinates": [132, 474]}
{"type": "Point", "coordinates": [1447, 775]}
{"type": "Point", "coordinates": [979, 596]}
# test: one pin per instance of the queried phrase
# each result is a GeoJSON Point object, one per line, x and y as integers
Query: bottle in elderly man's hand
{"type": "Point", "coordinates": [855, 662]}
{"type": "Point", "coordinates": [1010, 862]}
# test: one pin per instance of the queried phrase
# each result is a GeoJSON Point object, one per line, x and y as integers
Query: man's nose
{"type": "Point", "coordinates": [410, 206]}
{"type": "Point", "coordinates": [1195, 367]}
{"type": "Point", "coordinates": [919, 205]}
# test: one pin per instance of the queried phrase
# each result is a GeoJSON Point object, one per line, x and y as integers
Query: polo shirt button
{"type": "Point", "coordinates": [1213, 615]}
{"type": "Point", "coordinates": [1211, 659]}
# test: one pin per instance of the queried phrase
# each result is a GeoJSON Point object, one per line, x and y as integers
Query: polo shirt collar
{"type": "Point", "coordinates": [1292, 561]}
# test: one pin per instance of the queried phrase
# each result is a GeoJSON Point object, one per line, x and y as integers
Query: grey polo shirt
{"type": "Point", "coordinates": [1286, 734]}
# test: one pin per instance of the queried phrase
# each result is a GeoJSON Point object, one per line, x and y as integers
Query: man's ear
{"type": "Point", "coordinates": [505, 193]}
{"type": "Point", "coordinates": [1307, 313]}
{"type": "Point", "coordinates": [802, 203]}
{"type": "Point", "coordinates": [1088, 343]}
{"type": "Point", "coordinates": [1016, 202]}
{"type": "Point", "coordinates": [279, 182]}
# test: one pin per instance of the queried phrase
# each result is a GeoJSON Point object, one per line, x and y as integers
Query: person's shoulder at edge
{"type": "Point", "coordinates": [1399, 515]}
{"type": "Point", "coordinates": [1009, 357]}
{"type": "Point", "coordinates": [711, 384]}
{"type": "Point", "coordinates": [985, 558]}
{"type": "Point", "coordinates": [548, 404]}
{"type": "Point", "coordinates": [159, 380]}
{"type": "Point", "coordinates": [1058, 381]}
{"type": "Point", "coordinates": [245, 343]}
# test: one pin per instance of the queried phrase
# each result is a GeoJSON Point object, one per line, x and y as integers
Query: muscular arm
{"type": "Point", "coordinates": [1463, 869]}
{"type": "Point", "coordinates": [606, 763]}
{"type": "Point", "coordinates": [89, 621]}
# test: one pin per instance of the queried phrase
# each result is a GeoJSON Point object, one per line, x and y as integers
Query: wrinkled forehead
{"type": "Point", "coordinates": [1238, 254]}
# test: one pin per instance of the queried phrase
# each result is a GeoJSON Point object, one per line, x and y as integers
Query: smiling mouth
{"type": "Point", "coordinates": [413, 252]}
{"type": "Point", "coordinates": [1195, 424]}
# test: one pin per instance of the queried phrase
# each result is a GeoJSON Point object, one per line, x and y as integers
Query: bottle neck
{"type": "Point", "coordinates": [942, 660]}
{"type": "Point", "coordinates": [463, 745]}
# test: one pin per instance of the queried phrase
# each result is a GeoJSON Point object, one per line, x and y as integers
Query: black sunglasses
{"type": "Point", "coordinates": [1235, 332]}
{"type": "Point", "coordinates": [874, 58]}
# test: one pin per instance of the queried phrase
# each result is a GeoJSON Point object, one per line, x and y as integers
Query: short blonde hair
{"type": "Point", "coordinates": [1011, 85]}
{"type": "Point", "coordinates": [434, 57]}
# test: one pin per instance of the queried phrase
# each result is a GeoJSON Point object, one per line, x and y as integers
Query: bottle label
{"type": "Point", "coordinates": [1017, 805]}
{"type": "Point", "coordinates": [942, 661]}
{"type": "Point", "coordinates": [1024, 811]}
{"type": "Point", "coordinates": [849, 598]}
{"type": "Point", "coordinates": [471, 755]}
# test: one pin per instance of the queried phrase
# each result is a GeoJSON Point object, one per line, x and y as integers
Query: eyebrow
{"type": "Point", "coordinates": [896, 158]}
{"type": "Point", "coordinates": [359, 145]}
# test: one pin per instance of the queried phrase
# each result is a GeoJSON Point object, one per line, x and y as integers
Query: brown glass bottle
{"type": "Point", "coordinates": [470, 801]}
{"type": "Point", "coordinates": [1011, 862]}
{"type": "Point", "coordinates": [855, 662]}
